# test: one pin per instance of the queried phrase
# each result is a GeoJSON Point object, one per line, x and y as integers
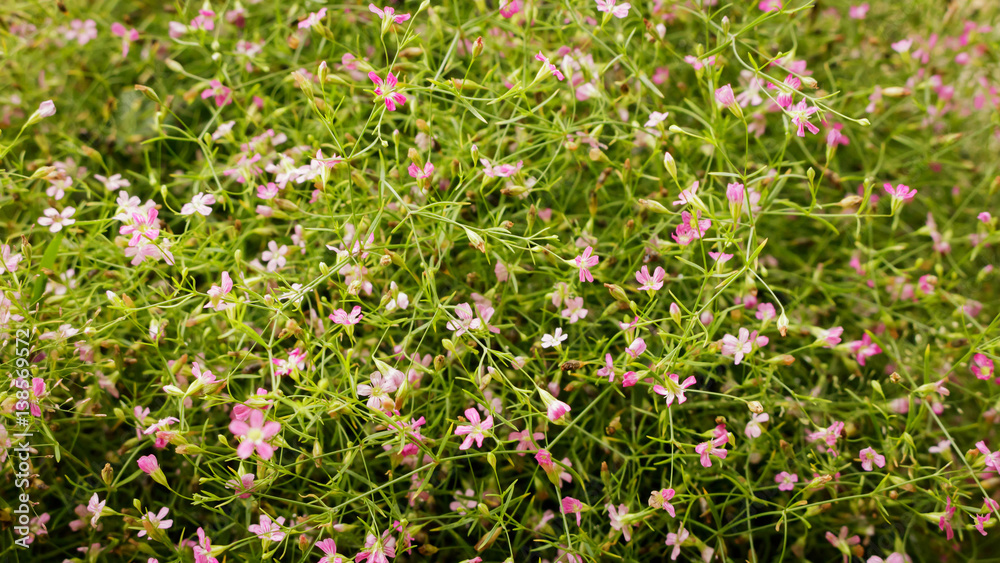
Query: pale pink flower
{"type": "Point", "coordinates": [616, 515]}
{"type": "Point", "coordinates": [864, 348]}
{"type": "Point", "coordinates": [274, 256]}
{"type": "Point", "coordinates": [786, 481]}
{"type": "Point", "coordinates": [200, 203]}
{"type": "Point", "coordinates": [203, 550]}
{"type": "Point", "coordinates": [753, 429]}
{"type": "Point", "coordinates": [157, 521]}
{"type": "Point", "coordinates": [613, 8]}
{"type": "Point", "coordinates": [217, 294]}
{"type": "Point", "coordinates": [267, 529]}
{"type": "Point", "coordinates": [95, 507]}
{"type": "Point", "coordinates": [81, 31]}
{"type": "Point", "coordinates": [842, 542]}
{"type": "Point", "coordinates": [992, 458]}
{"type": "Point", "coordinates": [9, 261]}
{"type": "Point", "coordinates": [128, 36]}
{"type": "Point", "coordinates": [770, 5]}
{"type": "Point", "coordinates": [739, 347]}
{"type": "Point", "coordinates": [378, 549]}
{"type": "Point", "coordinates": [329, 549]}
{"type": "Point", "coordinates": [244, 486]}
{"type": "Point", "coordinates": [699, 64]}
{"type": "Point", "coordinates": [636, 348]}
{"type": "Point", "coordinates": [676, 540]}
{"type": "Point", "coordinates": [858, 12]}
{"type": "Point", "coordinates": [650, 282]}
{"type": "Point", "coordinates": [113, 182]}
{"type": "Point", "coordinates": [547, 67]}
{"type": "Point", "coordinates": [725, 97]}
{"type": "Point", "coordinates": [870, 456]}
{"type": "Point", "coordinates": [574, 309]}
{"type": "Point", "coordinates": [388, 13]}
{"type": "Point", "coordinates": [608, 370]}
{"type": "Point", "coordinates": [382, 386]}
{"type": "Point", "coordinates": [831, 336]}
{"type": "Point", "coordinates": [555, 339]}
{"type": "Point", "coordinates": [314, 18]}
{"type": "Point", "coordinates": [342, 317]}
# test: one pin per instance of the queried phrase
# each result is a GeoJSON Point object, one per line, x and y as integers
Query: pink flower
{"type": "Point", "coordinates": [387, 90]}
{"type": "Point", "coordinates": [697, 63]}
{"type": "Point", "coordinates": [858, 12]}
{"type": "Point", "coordinates": [200, 203]}
{"type": "Point", "coordinates": [827, 435]}
{"type": "Point", "coordinates": [610, 7]}
{"type": "Point", "coordinates": [8, 261]}
{"type": "Point", "coordinates": [329, 549]}
{"type": "Point", "coordinates": [203, 551]}
{"type": "Point", "coordinates": [315, 18]}
{"type": "Point", "coordinates": [608, 370]}
{"type": "Point", "coordinates": [673, 389]}
{"type": "Point", "coordinates": [388, 14]}
{"type": "Point", "coordinates": [128, 36]}
{"type": "Point", "coordinates": [585, 262]}
{"type": "Point", "coordinates": [574, 309]}
{"type": "Point", "coordinates": [765, 312]}
{"type": "Point", "coordinates": [985, 217]}
{"type": "Point", "coordinates": [342, 317]}
{"type": "Point", "coordinates": [96, 508]}
{"type": "Point", "coordinates": [944, 523]}
{"type": "Point", "coordinates": [740, 347]}
{"type": "Point", "coordinates": [256, 435]}
{"type": "Point", "coordinates": [753, 429]}
{"type": "Point", "coordinates": [710, 448]}
{"type": "Point", "coordinates": [148, 464]}
{"type": "Point", "coordinates": [466, 320]}
{"type": "Point", "coordinates": [831, 336]}
{"type": "Point", "coordinates": [636, 348]}
{"type": "Point", "coordinates": [864, 348]}
{"type": "Point", "coordinates": [243, 487]}
{"type": "Point", "coordinates": [571, 505]}
{"type": "Point", "coordinates": [81, 31]}
{"type": "Point", "coordinates": [382, 386]}
{"type": "Point", "coordinates": [661, 499]}
{"type": "Point", "coordinates": [268, 530]}
{"type": "Point", "coordinates": [992, 458]}
{"type": "Point", "coordinates": [981, 367]}
{"type": "Point", "coordinates": [524, 440]}
{"type": "Point", "coordinates": [800, 113]}
{"type": "Point", "coordinates": [786, 481]}
{"type": "Point", "coordinates": [547, 67]}
{"type": "Point", "coordinates": [725, 97]}
{"type": "Point", "coordinates": [419, 174]}
{"type": "Point", "coordinates": [981, 521]}
{"type": "Point", "coordinates": [616, 515]}
{"type": "Point", "coordinates": [692, 227]}
{"type": "Point", "coordinates": [842, 542]}
{"type": "Point", "coordinates": [650, 282]}
{"type": "Point", "coordinates": [56, 220]}
{"type": "Point", "coordinates": [770, 5]}
{"type": "Point", "coordinates": [676, 540]}
{"type": "Point", "coordinates": [901, 192]}
{"type": "Point", "coordinates": [157, 521]}
{"type": "Point", "coordinates": [221, 94]}
{"type": "Point", "coordinates": [378, 549]}
{"type": "Point", "coordinates": [475, 430]}
{"type": "Point", "coordinates": [557, 409]}
{"type": "Point", "coordinates": [509, 7]}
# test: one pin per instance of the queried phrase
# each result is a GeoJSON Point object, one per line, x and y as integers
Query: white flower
{"type": "Point", "coordinates": [113, 182]}
{"type": "Point", "coordinates": [200, 204]}
{"type": "Point", "coordinates": [555, 339]}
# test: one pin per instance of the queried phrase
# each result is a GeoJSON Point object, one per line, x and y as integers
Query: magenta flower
{"type": "Point", "coordinates": [585, 262]}
{"type": "Point", "coordinates": [203, 551]}
{"type": "Point", "coordinates": [992, 458]}
{"type": "Point", "coordinates": [981, 521]}
{"type": "Point", "coordinates": [617, 517]}
{"type": "Point", "coordinates": [870, 456]}
{"type": "Point", "coordinates": [864, 348]}
{"type": "Point", "coordinates": [827, 435]}
{"type": "Point", "coordinates": [388, 14]}
{"type": "Point", "coordinates": [770, 5]}
{"type": "Point", "coordinates": [831, 336]}
{"type": "Point", "coordinates": [713, 447]}
{"type": "Point", "coordinates": [508, 8]}
{"type": "Point", "coordinates": [475, 430]}
{"type": "Point", "coordinates": [743, 345]}
{"type": "Point", "coordinates": [612, 7]}
{"type": "Point", "coordinates": [571, 505]}
{"type": "Point", "coordinates": [673, 389]}
{"type": "Point", "coordinates": [800, 113]}
{"type": "Point", "coordinates": [378, 549]}
{"type": "Point", "coordinates": [786, 481]}
{"type": "Point", "coordinates": [221, 94]}
{"type": "Point", "coordinates": [127, 35]}
{"type": "Point", "coordinates": [386, 90]}
{"type": "Point", "coordinates": [661, 499]}
{"type": "Point", "coordinates": [944, 523]}
{"type": "Point", "coordinates": [267, 529]}
{"type": "Point", "coordinates": [650, 282]}
{"type": "Point", "coordinates": [901, 192]}
{"type": "Point", "coordinates": [859, 12]}
{"type": "Point", "coordinates": [148, 464]}
{"type": "Point", "coordinates": [256, 435]}
{"type": "Point", "coordinates": [981, 367]}
{"type": "Point", "coordinates": [419, 174]}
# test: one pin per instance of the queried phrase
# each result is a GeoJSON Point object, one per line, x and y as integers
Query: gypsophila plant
{"type": "Point", "coordinates": [499, 280]}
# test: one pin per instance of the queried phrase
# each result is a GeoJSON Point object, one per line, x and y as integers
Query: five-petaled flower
{"type": "Point", "coordinates": [256, 435]}
{"type": "Point", "coordinates": [386, 90]}
{"type": "Point", "coordinates": [475, 430]}
{"type": "Point", "coordinates": [673, 388]}
{"type": "Point", "coordinates": [585, 262]}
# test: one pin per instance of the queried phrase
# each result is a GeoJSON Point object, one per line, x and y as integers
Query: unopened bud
{"type": "Point", "coordinates": [670, 165]}
{"type": "Point", "coordinates": [755, 407]}
{"type": "Point", "coordinates": [652, 205]}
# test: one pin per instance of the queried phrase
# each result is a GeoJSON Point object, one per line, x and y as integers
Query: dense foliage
{"type": "Point", "coordinates": [527, 280]}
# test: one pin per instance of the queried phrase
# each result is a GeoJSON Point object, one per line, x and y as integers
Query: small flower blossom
{"type": "Point", "coordinates": [753, 429]}
{"type": "Point", "coordinates": [342, 317]}
{"type": "Point", "coordinates": [127, 35]}
{"type": "Point", "coordinates": [585, 262]}
{"type": "Point", "coordinates": [673, 389]}
{"type": "Point", "coordinates": [380, 389]}
{"type": "Point", "coordinates": [329, 549]}
{"type": "Point", "coordinates": [616, 516]}
{"type": "Point", "coordinates": [608, 370]}
{"type": "Point", "coordinates": [661, 499]}
{"type": "Point", "coordinates": [221, 95]}
{"type": "Point", "coordinates": [388, 14]}
{"type": "Point", "coordinates": [113, 182]}
{"type": "Point", "coordinates": [650, 282]}
{"type": "Point", "coordinates": [555, 339]}
{"type": "Point", "coordinates": [636, 348]}
{"type": "Point", "coordinates": [378, 549]}
{"type": "Point", "coordinates": [901, 192]}
{"type": "Point", "coordinates": [8, 261]}
{"type": "Point", "coordinates": [831, 337]}
{"type": "Point", "coordinates": [842, 542]}
{"type": "Point", "coordinates": [864, 348]}
{"type": "Point", "coordinates": [95, 507]}
{"type": "Point", "coordinates": [386, 90]}
{"type": "Point", "coordinates": [692, 227]}
{"type": "Point", "coordinates": [274, 256]}
{"type": "Point", "coordinates": [200, 203]}
{"type": "Point", "coordinates": [786, 481]}
{"type": "Point", "coordinates": [713, 447]}
{"type": "Point", "coordinates": [571, 505]}
{"type": "Point", "coordinates": [156, 521]}
{"type": "Point", "coordinates": [314, 18]}
{"type": "Point", "coordinates": [613, 8]}
{"type": "Point", "coordinates": [267, 529]}
{"type": "Point", "coordinates": [475, 430]}
{"type": "Point", "coordinates": [981, 367]}
{"type": "Point", "coordinates": [256, 435]}
{"type": "Point", "coordinates": [217, 294]}
{"type": "Point", "coordinates": [800, 117]}
{"type": "Point", "coordinates": [574, 309]}
{"type": "Point", "coordinates": [676, 540]}
{"type": "Point", "coordinates": [547, 68]}
{"type": "Point", "coordinates": [56, 220]}
{"type": "Point", "coordinates": [739, 347]}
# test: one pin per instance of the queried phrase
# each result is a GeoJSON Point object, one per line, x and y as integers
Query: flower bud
{"type": "Point", "coordinates": [670, 165]}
